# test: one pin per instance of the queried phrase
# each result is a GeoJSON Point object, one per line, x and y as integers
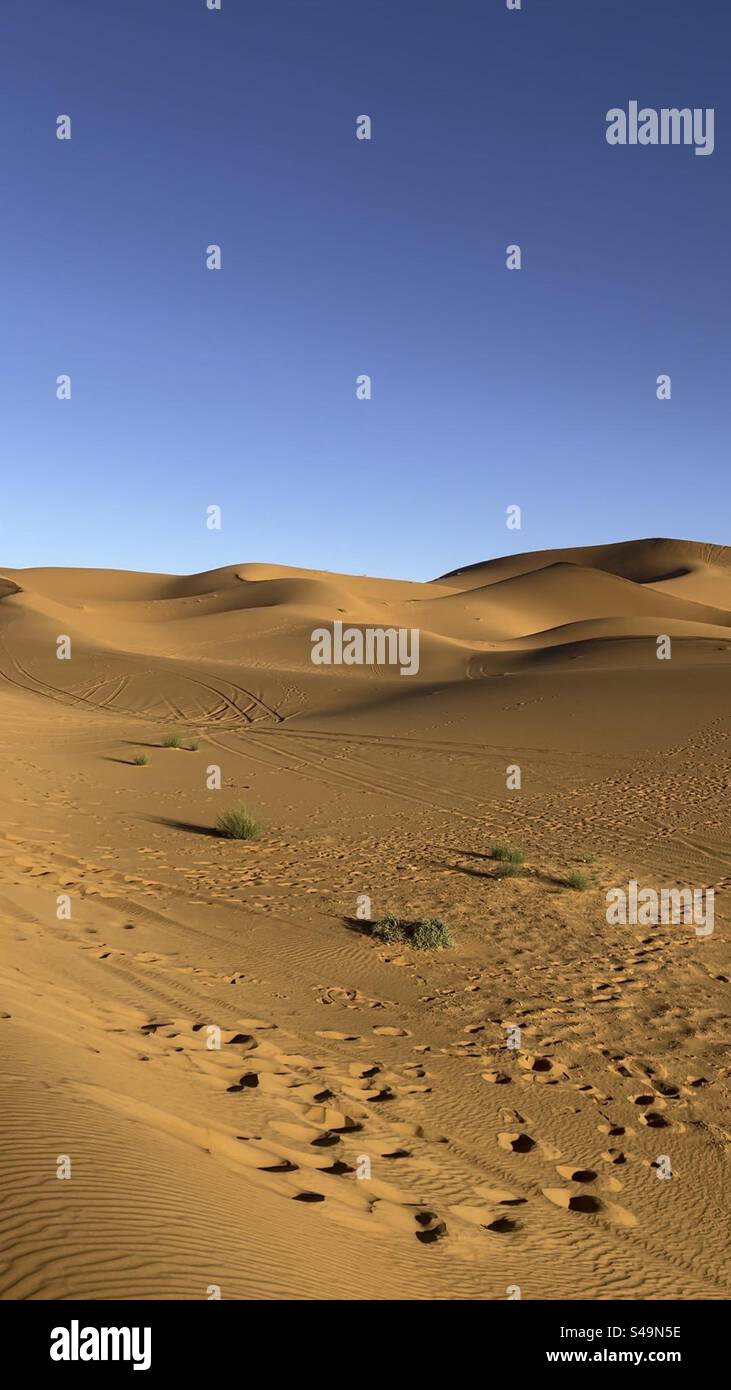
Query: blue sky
{"type": "Point", "coordinates": [340, 257]}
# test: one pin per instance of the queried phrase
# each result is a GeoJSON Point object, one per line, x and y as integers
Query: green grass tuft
{"type": "Point", "coordinates": [238, 824]}
{"type": "Point", "coordinates": [508, 870]}
{"type": "Point", "coordinates": [577, 880]}
{"type": "Point", "coordinates": [506, 854]}
{"type": "Point", "coordinates": [172, 741]}
{"type": "Point", "coordinates": [423, 933]}
{"type": "Point", "coordinates": [141, 760]}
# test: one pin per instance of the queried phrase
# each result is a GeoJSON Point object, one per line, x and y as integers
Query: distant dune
{"type": "Point", "coordinates": [261, 616]}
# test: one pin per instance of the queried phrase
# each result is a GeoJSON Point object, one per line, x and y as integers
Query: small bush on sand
{"type": "Point", "coordinates": [194, 745]}
{"type": "Point", "coordinates": [577, 880]}
{"type": "Point", "coordinates": [507, 871]}
{"type": "Point", "coordinates": [172, 741]}
{"type": "Point", "coordinates": [238, 824]}
{"type": "Point", "coordinates": [141, 760]}
{"type": "Point", "coordinates": [424, 933]}
{"type": "Point", "coordinates": [506, 854]}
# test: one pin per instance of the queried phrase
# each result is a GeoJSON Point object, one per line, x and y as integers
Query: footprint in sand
{"type": "Point", "coordinates": [585, 1203]}
{"type": "Point", "coordinates": [432, 1228]}
{"type": "Point", "coordinates": [249, 1080]}
{"type": "Point", "coordinates": [364, 1070]}
{"type": "Point", "coordinates": [485, 1218]}
{"type": "Point", "coordinates": [326, 1117]}
{"type": "Point", "coordinates": [377, 1094]}
{"type": "Point", "coordinates": [515, 1142]}
{"type": "Point", "coordinates": [503, 1225]}
{"type": "Point", "coordinates": [667, 1089]}
{"type": "Point", "coordinates": [501, 1196]}
{"type": "Point", "coordinates": [654, 1120]}
{"type": "Point", "coordinates": [573, 1201]}
{"type": "Point", "coordinates": [647, 1098]}
{"type": "Point", "coordinates": [542, 1068]}
{"type": "Point", "coordinates": [350, 998]}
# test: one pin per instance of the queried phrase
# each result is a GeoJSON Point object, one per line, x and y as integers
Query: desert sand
{"type": "Point", "coordinates": [244, 1168]}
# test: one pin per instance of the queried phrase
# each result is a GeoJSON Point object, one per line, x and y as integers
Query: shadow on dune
{"type": "Point", "coordinates": [359, 925]}
{"type": "Point", "coordinates": [473, 873]}
{"type": "Point", "coordinates": [125, 762]}
{"type": "Point", "coordinates": [523, 870]}
{"type": "Point", "coordinates": [190, 826]}
{"type": "Point", "coordinates": [140, 743]}
{"type": "Point", "coordinates": [492, 872]}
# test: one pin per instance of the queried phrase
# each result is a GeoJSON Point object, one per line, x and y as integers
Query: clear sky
{"type": "Point", "coordinates": [192, 387]}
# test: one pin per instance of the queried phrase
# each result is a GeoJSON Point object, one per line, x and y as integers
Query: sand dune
{"type": "Point", "coordinates": [537, 596]}
{"type": "Point", "coordinates": [359, 1128]}
{"type": "Point", "coordinates": [644, 561]}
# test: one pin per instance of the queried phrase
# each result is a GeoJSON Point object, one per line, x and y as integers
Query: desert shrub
{"type": "Point", "coordinates": [171, 741]}
{"type": "Point", "coordinates": [507, 871]}
{"type": "Point", "coordinates": [194, 745]}
{"type": "Point", "coordinates": [431, 934]}
{"type": "Point", "coordinates": [423, 933]}
{"type": "Point", "coordinates": [388, 929]}
{"type": "Point", "coordinates": [576, 880]}
{"type": "Point", "coordinates": [238, 824]}
{"type": "Point", "coordinates": [506, 854]}
{"type": "Point", "coordinates": [141, 760]}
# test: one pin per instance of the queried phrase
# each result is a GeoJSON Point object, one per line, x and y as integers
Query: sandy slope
{"type": "Point", "coordinates": [237, 1166]}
